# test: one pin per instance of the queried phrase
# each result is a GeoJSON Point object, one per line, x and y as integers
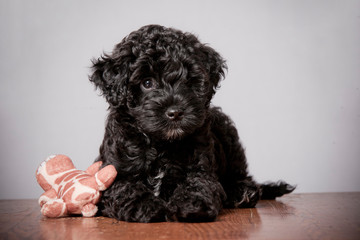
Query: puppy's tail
{"type": "Point", "coordinates": [273, 190]}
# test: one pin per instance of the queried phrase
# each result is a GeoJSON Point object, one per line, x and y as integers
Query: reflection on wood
{"type": "Point", "coordinates": [296, 216]}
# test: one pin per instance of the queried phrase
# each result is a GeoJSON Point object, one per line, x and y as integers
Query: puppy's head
{"type": "Point", "coordinates": [162, 77]}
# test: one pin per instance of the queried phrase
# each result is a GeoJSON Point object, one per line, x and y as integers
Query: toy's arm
{"type": "Point", "coordinates": [105, 177]}
{"type": "Point", "coordinates": [94, 168]}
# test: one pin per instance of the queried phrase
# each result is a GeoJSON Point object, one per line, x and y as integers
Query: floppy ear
{"type": "Point", "coordinates": [215, 67]}
{"type": "Point", "coordinates": [111, 75]}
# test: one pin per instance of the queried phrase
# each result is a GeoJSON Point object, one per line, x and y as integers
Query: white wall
{"type": "Point", "coordinates": [292, 87]}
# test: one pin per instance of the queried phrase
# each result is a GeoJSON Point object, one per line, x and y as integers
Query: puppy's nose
{"type": "Point", "coordinates": [174, 114]}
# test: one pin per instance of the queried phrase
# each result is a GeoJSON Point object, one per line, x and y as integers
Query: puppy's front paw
{"type": "Point", "coordinates": [145, 208]}
{"type": "Point", "coordinates": [195, 205]}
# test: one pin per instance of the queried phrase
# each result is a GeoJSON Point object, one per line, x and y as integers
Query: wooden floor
{"type": "Point", "coordinates": [296, 216]}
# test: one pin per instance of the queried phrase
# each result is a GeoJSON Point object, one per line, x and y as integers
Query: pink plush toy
{"type": "Point", "coordinates": [71, 191]}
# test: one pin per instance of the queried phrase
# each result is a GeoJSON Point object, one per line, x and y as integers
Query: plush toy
{"type": "Point", "coordinates": [71, 191]}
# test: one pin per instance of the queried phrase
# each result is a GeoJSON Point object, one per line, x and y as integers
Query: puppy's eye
{"type": "Point", "coordinates": [147, 84]}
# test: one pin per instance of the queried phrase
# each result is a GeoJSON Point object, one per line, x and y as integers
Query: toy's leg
{"type": "Point", "coordinates": [47, 196]}
{"type": "Point", "coordinates": [54, 208]}
{"type": "Point", "coordinates": [89, 210]}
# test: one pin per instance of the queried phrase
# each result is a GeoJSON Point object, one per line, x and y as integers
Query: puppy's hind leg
{"type": "Point", "coordinates": [240, 188]}
{"type": "Point", "coordinates": [271, 190]}
{"type": "Point", "coordinates": [243, 193]}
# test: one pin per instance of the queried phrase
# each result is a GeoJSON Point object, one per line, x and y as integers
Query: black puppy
{"type": "Point", "coordinates": [177, 157]}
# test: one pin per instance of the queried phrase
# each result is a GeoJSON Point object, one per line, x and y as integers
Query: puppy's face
{"type": "Point", "coordinates": [163, 78]}
{"type": "Point", "coordinates": [168, 104]}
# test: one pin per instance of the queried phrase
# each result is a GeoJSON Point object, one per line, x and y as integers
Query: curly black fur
{"type": "Point", "coordinates": [177, 158]}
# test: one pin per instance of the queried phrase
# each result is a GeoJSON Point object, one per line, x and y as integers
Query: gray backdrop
{"type": "Point", "coordinates": [292, 87]}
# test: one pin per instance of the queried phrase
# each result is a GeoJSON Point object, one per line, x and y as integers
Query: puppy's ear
{"type": "Point", "coordinates": [111, 75]}
{"type": "Point", "coordinates": [215, 66]}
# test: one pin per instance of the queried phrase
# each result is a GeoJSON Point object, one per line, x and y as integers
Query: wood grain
{"type": "Point", "coordinates": [296, 216]}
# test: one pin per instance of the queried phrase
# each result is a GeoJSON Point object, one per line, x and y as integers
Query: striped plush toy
{"type": "Point", "coordinates": [71, 191]}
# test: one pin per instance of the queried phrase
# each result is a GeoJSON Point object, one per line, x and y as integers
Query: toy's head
{"type": "Point", "coordinates": [51, 168]}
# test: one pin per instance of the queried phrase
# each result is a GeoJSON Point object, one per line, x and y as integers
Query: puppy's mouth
{"type": "Point", "coordinates": [174, 133]}
{"type": "Point", "coordinates": [180, 129]}
{"type": "Point", "coordinates": [170, 130]}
